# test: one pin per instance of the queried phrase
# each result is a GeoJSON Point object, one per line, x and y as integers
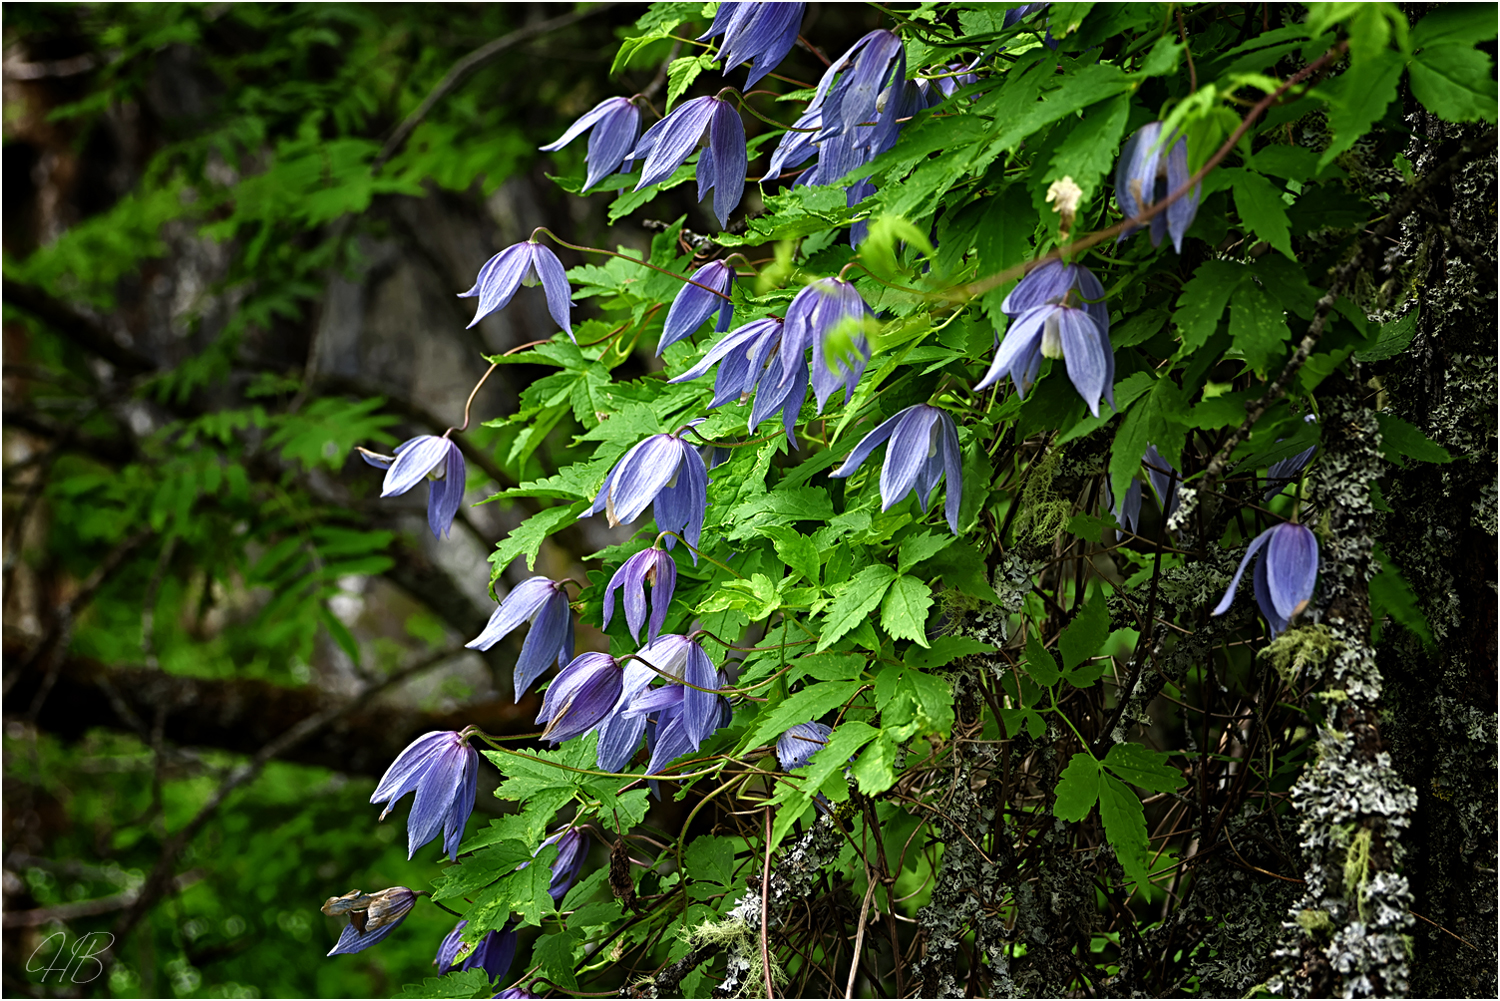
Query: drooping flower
{"type": "Point", "coordinates": [1284, 471]}
{"type": "Point", "coordinates": [797, 146]}
{"type": "Point", "coordinates": [852, 83]}
{"type": "Point", "coordinates": [443, 770]}
{"type": "Point", "coordinates": [649, 566]}
{"type": "Point", "coordinates": [817, 311]}
{"type": "Point", "coordinates": [493, 953]}
{"type": "Point", "coordinates": [1284, 575]}
{"type": "Point", "coordinates": [515, 994]}
{"type": "Point", "coordinates": [757, 33]}
{"type": "Point", "coordinates": [922, 448]}
{"type": "Point", "coordinates": [676, 728]}
{"type": "Point", "coordinates": [1148, 171]}
{"type": "Point", "coordinates": [1164, 480]}
{"type": "Point", "coordinates": [572, 851]}
{"type": "Point", "coordinates": [695, 303]}
{"type": "Point", "coordinates": [527, 263]}
{"type": "Point", "coordinates": [372, 916]}
{"type": "Point", "coordinates": [800, 743]}
{"type": "Point", "coordinates": [1059, 313]}
{"type": "Point", "coordinates": [721, 166]}
{"type": "Point", "coordinates": [581, 696]}
{"type": "Point", "coordinates": [616, 122]}
{"type": "Point", "coordinates": [751, 360]}
{"type": "Point", "coordinates": [543, 603]}
{"type": "Point", "coordinates": [665, 471]}
{"type": "Point", "coordinates": [961, 75]}
{"type": "Point", "coordinates": [437, 460]}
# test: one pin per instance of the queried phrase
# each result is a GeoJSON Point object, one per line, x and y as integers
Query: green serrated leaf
{"type": "Point", "coordinates": [1257, 327]}
{"type": "Point", "coordinates": [1203, 300]}
{"type": "Point", "coordinates": [1143, 767]}
{"type": "Point", "coordinates": [1085, 634]}
{"type": "Point", "coordinates": [1124, 826]}
{"type": "Point", "coordinates": [1077, 788]}
{"type": "Point", "coordinates": [1040, 664]}
{"type": "Point", "coordinates": [944, 651]}
{"type": "Point", "coordinates": [1455, 81]}
{"type": "Point", "coordinates": [874, 770]}
{"type": "Point", "coordinates": [1262, 210]}
{"type": "Point", "coordinates": [1400, 440]}
{"type": "Point", "coordinates": [556, 954]}
{"type": "Point", "coordinates": [801, 707]}
{"type": "Point", "coordinates": [797, 551]}
{"type": "Point", "coordinates": [711, 858]}
{"type": "Point", "coordinates": [1358, 99]}
{"type": "Point", "coordinates": [859, 598]}
{"type": "Point", "coordinates": [682, 72]}
{"type": "Point", "coordinates": [461, 984]}
{"type": "Point", "coordinates": [903, 612]}
{"type": "Point", "coordinates": [1391, 595]}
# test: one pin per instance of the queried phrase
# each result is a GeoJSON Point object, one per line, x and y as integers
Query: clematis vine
{"type": "Point", "coordinates": [443, 770]}
{"type": "Point", "coordinates": [372, 916]}
{"type": "Point", "coordinates": [543, 603]}
{"type": "Point", "coordinates": [721, 166]}
{"type": "Point", "coordinates": [616, 122]}
{"type": "Point", "coordinates": [1058, 312]}
{"type": "Point", "coordinates": [1284, 575]}
{"type": "Point", "coordinates": [921, 447]}
{"type": "Point", "coordinates": [663, 471]}
{"type": "Point", "coordinates": [437, 460]}
{"type": "Point", "coordinates": [1151, 168]}
{"type": "Point", "coordinates": [528, 264]}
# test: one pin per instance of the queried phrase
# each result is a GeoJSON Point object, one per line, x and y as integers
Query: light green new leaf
{"type": "Point", "coordinates": [797, 551]}
{"type": "Point", "coordinates": [682, 72]}
{"type": "Point", "coordinates": [920, 546]}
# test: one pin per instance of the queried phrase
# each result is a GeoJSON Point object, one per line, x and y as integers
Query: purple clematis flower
{"type": "Point", "coordinates": [1059, 313]}
{"type": "Point", "coordinates": [1164, 480]}
{"type": "Point", "coordinates": [1284, 574]}
{"type": "Point", "coordinates": [1148, 171]}
{"type": "Point", "coordinates": [493, 953]}
{"type": "Point", "coordinates": [693, 304]}
{"type": "Point", "coordinates": [616, 122]}
{"type": "Point", "coordinates": [527, 263]}
{"type": "Point", "coordinates": [544, 603]}
{"type": "Point", "coordinates": [800, 743]}
{"type": "Point", "coordinates": [797, 146]}
{"type": "Point", "coordinates": [515, 994]}
{"type": "Point", "coordinates": [428, 457]}
{"type": "Point", "coordinates": [723, 163]}
{"type": "Point", "coordinates": [678, 727]}
{"type": "Point", "coordinates": [372, 916]}
{"type": "Point", "coordinates": [751, 359]}
{"type": "Point", "coordinates": [817, 311]}
{"type": "Point", "coordinates": [757, 33]}
{"type": "Point", "coordinates": [665, 471]}
{"type": "Point", "coordinates": [861, 96]}
{"type": "Point", "coordinates": [443, 770]}
{"type": "Point", "coordinates": [581, 696]}
{"type": "Point", "coordinates": [923, 446]}
{"type": "Point", "coordinates": [572, 851]}
{"type": "Point", "coordinates": [963, 75]}
{"type": "Point", "coordinates": [1284, 471]}
{"type": "Point", "coordinates": [649, 566]}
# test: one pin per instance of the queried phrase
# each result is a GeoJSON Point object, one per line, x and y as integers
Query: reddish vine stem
{"type": "Point", "coordinates": [983, 285]}
{"type": "Point", "coordinates": [625, 257]}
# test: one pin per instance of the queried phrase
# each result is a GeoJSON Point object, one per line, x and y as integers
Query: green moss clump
{"type": "Point", "coordinates": [1298, 649]}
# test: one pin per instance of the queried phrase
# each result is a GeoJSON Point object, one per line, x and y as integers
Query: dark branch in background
{"type": "Point", "coordinates": [76, 327]}
{"type": "Point", "coordinates": [1367, 253]}
{"type": "Point", "coordinates": [161, 876]}
{"type": "Point", "coordinates": [468, 64]}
